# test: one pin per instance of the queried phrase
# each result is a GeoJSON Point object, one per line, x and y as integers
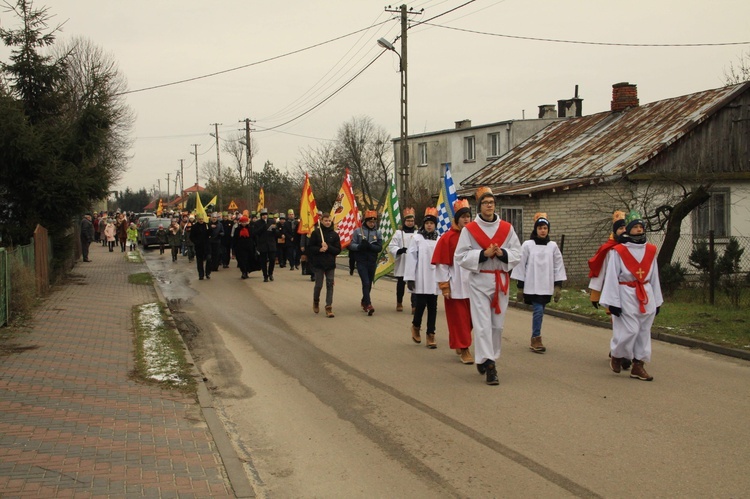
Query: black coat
{"type": "Point", "coordinates": [199, 236]}
{"type": "Point", "coordinates": [327, 259]}
{"type": "Point", "coordinates": [265, 232]}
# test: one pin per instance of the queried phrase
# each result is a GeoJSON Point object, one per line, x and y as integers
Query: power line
{"type": "Point", "coordinates": [209, 75]}
{"type": "Point", "coordinates": [608, 44]}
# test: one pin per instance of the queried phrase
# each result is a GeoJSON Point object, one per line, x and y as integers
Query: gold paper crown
{"type": "Point", "coordinates": [618, 215]}
{"type": "Point", "coordinates": [408, 212]}
{"type": "Point", "coordinates": [461, 203]}
{"type": "Point", "coordinates": [539, 215]}
{"type": "Point", "coordinates": [431, 211]}
{"type": "Point", "coordinates": [290, 212]}
{"type": "Point", "coordinates": [371, 214]}
{"type": "Point", "coordinates": [482, 192]}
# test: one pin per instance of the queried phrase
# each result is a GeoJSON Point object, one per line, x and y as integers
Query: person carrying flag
{"type": "Point", "coordinates": [367, 242]}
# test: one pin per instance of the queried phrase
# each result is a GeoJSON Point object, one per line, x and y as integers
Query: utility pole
{"type": "Point", "coordinates": [218, 164]}
{"type": "Point", "coordinates": [167, 188]}
{"type": "Point", "coordinates": [182, 183]}
{"type": "Point", "coordinates": [249, 163]}
{"type": "Point", "coordinates": [196, 164]}
{"type": "Point", "coordinates": [403, 142]}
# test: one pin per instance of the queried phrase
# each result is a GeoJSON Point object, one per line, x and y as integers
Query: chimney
{"type": "Point", "coordinates": [463, 124]}
{"type": "Point", "coordinates": [570, 107]}
{"type": "Point", "coordinates": [547, 111]}
{"type": "Point", "coordinates": [624, 95]}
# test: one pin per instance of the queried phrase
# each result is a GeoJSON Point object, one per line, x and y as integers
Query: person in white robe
{"type": "Point", "coordinates": [489, 248]}
{"type": "Point", "coordinates": [419, 274]}
{"type": "Point", "coordinates": [397, 247]}
{"type": "Point", "coordinates": [632, 293]}
{"type": "Point", "coordinates": [540, 274]}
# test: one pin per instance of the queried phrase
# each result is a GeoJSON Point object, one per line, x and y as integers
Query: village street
{"type": "Point", "coordinates": [350, 406]}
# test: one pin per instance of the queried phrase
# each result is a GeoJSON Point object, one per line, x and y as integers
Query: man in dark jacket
{"type": "Point", "coordinates": [244, 247]}
{"type": "Point", "coordinates": [265, 233]}
{"type": "Point", "coordinates": [227, 224]}
{"type": "Point", "coordinates": [291, 240]}
{"type": "Point", "coordinates": [87, 235]}
{"type": "Point", "coordinates": [323, 247]}
{"type": "Point", "coordinates": [215, 234]}
{"type": "Point", "coordinates": [367, 242]}
{"type": "Point", "coordinates": [199, 237]}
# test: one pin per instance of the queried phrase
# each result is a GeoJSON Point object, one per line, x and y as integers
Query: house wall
{"type": "Point", "coordinates": [448, 147]}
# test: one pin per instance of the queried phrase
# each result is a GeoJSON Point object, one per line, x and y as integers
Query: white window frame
{"type": "Point", "coordinates": [422, 153]}
{"type": "Point", "coordinates": [493, 144]}
{"type": "Point", "coordinates": [714, 215]}
{"type": "Point", "coordinates": [514, 215]}
{"type": "Point", "coordinates": [470, 150]}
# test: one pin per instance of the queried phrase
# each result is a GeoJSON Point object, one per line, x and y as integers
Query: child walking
{"type": "Point", "coordinates": [324, 246]}
{"type": "Point", "coordinates": [132, 236]}
{"type": "Point", "coordinates": [540, 274]}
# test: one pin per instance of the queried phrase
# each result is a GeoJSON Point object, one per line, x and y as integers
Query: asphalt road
{"type": "Point", "coordinates": [350, 406]}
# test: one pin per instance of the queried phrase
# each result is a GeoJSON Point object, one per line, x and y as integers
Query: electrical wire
{"type": "Point", "coordinates": [209, 75]}
{"type": "Point", "coordinates": [579, 42]}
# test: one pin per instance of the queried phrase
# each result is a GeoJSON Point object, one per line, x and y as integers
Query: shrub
{"type": "Point", "coordinates": [671, 276]}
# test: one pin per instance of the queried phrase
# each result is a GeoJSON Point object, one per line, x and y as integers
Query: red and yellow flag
{"type": "Point", "coordinates": [159, 209]}
{"type": "Point", "coordinates": [344, 213]}
{"type": "Point", "coordinates": [308, 210]}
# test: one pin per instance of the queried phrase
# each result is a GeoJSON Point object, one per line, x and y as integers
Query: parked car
{"type": "Point", "coordinates": [141, 223]}
{"type": "Point", "coordinates": [149, 228]}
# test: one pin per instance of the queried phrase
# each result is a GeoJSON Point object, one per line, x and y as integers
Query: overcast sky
{"type": "Point", "coordinates": [453, 74]}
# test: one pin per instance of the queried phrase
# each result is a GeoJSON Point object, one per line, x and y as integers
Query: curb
{"type": "Point", "coordinates": [665, 337]}
{"type": "Point", "coordinates": [232, 464]}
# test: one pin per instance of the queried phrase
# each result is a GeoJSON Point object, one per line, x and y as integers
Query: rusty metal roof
{"type": "Point", "coordinates": [603, 146]}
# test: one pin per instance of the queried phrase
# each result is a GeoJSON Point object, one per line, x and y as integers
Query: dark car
{"type": "Point", "coordinates": [148, 230]}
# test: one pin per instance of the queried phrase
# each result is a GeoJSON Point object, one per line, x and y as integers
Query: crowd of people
{"type": "Point", "coordinates": [470, 265]}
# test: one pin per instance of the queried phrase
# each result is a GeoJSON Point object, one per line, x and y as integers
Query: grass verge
{"type": "Point", "coordinates": [141, 278]}
{"type": "Point", "coordinates": [134, 257]}
{"type": "Point", "coordinates": [159, 350]}
{"type": "Point", "coordinates": [683, 314]}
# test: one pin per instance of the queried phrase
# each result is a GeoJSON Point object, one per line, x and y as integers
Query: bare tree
{"type": "Point", "coordinates": [739, 73]}
{"type": "Point", "coordinates": [236, 147]}
{"type": "Point", "coordinates": [325, 174]}
{"type": "Point", "coordinates": [94, 79]}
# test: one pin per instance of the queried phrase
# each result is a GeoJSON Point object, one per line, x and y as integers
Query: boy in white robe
{"type": "Point", "coordinates": [420, 277]}
{"type": "Point", "coordinates": [632, 293]}
{"type": "Point", "coordinates": [397, 247]}
{"type": "Point", "coordinates": [489, 249]}
{"type": "Point", "coordinates": [540, 274]}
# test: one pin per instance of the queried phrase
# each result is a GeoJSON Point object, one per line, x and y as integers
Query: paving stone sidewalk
{"type": "Point", "coordinates": [72, 421]}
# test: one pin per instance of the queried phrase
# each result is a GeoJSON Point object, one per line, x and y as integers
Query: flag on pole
{"type": "Point", "coordinates": [261, 200]}
{"type": "Point", "coordinates": [211, 204]}
{"type": "Point", "coordinates": [390, 220]}
{"type": "Point", "coordinates": [199, 210]}
{"type": "Point", "coordinates": [445, 202]}
{"type": "Point", "coordinates": [159, 209]}
{"type": "Point", "coordinates": [344, 213]}
{"type": "Point", "coordinates": [308, 210]}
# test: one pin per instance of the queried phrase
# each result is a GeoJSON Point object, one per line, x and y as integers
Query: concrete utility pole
{"type": "Point", "coordinates": [182, 183]}
{"type": "Point", "coordinates": [196, 162]}
{"type": "Point", "coordinates": [403, 142]}
{"type": "Point", "coordinates": [249, 161]}
{"type": "Point", "coordinates": [218, 165]}
{"type": "Point", "coordinates": [167, 187]}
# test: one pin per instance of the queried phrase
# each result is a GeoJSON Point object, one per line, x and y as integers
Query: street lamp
{"type": "Point", "coordinates": [404, 163]}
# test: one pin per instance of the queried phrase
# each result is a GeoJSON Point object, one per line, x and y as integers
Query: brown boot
{"type": "Point", "coordinates": [431, 340]}
{"type": "Point", "coordinates": [415, 336]}
{"type": "Point", "coordinates": [316, 306]}
{"type": "Point", "coordinates": [638, 372]}
{"type": "Point", "coordinates": [536, 345]}
{"type": "Point", "coordinates": [399, 307]}
{"type": "Point", "coordinates": [615, 363]}
{"type": "Point", "coordinates": [329, 312]}
{"type": "Point", "coordinates": [466, 357]}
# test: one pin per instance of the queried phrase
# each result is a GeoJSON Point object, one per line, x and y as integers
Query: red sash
{"type": "Point", "coordinates": [639, 269]}
{"type": "Point", "coordinates": [499, 238]}
{"type": "Point", "coordinates": [446, 247]}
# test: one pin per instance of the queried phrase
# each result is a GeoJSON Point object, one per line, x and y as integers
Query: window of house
{"type": "Point", "coordinates": [515, 217]}
{"type": "Point", "coordinates": [493, 144]}
{"type": "Point", "coordinates": [713, 215]}
{"type": "Point", "coordinates": [423, 154]}
{"type": "Point", "coordinates": [469, 149]}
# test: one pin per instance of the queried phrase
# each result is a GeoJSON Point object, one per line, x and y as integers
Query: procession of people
{"type": "Point", "coordinates": [470, 265]}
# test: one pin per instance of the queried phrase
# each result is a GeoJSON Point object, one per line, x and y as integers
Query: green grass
{"type": "Point", "coordinates": [159, 350]}
{"type": "Point", "coordinates": [683, 314]}
{"type": "Point", "coordinates": [141, 278]}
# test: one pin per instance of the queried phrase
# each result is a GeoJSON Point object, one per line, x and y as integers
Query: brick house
{"type": "Point", "coordinates": [580, 169]}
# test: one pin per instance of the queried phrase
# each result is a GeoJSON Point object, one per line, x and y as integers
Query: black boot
{"type": "Point", "coordinates": [492, 378]}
